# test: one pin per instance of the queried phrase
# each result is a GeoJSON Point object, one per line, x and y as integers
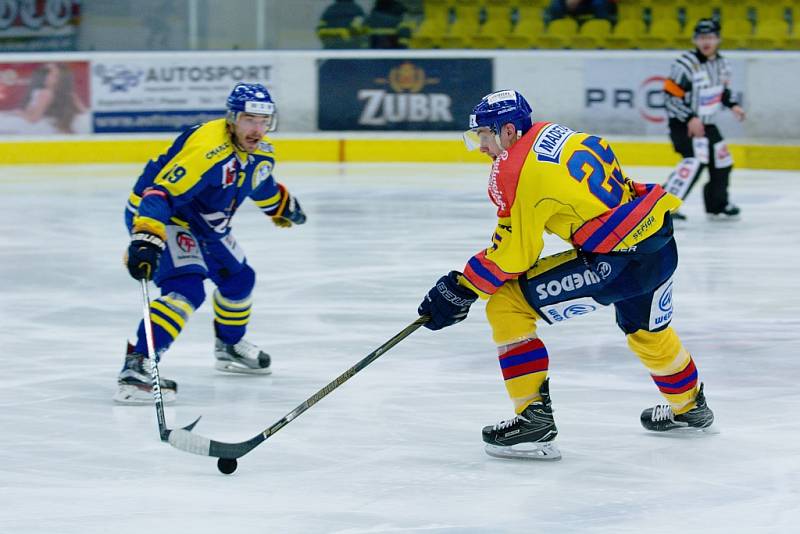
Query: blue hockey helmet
{"type": "Point", "coordinates": [254, 99]}
{"type": "Point", "coordinates": [496, 109]}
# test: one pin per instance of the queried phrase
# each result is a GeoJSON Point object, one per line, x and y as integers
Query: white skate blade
{"type": "Point", "coordinates": [227, 366]}
{"type": "Point", "coordinates": [525, 451]}
{"type": "Point", "coordinates": [688, 431]}
{"type": "Point", "coordinates": [134, 396]}
{"type": "Point", "coordinates": [714, 217]}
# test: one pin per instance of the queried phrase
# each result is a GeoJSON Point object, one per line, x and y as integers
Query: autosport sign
{"type": "Point", "coordinates": [150, 94]}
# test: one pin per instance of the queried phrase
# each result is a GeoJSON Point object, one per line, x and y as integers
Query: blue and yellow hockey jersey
{"type": "Point", "coordinates": [201, 180]}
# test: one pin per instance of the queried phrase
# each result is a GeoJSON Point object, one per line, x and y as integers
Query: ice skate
{"type": "Point", "coordinates": [530, 435]}
{"type": "Point", "coordinates": [241, 357]}
{"type": "Point", "coordinates": [136, 384]}
{"type": "Point", "coordinates": [660, 418]}
{"type": "Point", "coordinates": [730, 213]}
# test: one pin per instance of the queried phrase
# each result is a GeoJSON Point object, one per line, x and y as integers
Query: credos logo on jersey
{"type": "Point", "coordinates": [661, 306]}
{"type": "Point", "coordinates": [568, 283]}
{"type": "Point", "coordinates": [604, 268]}
{"type": "Point", "coordinates": [665, 302]}
{"type": "Point", "coordinates": [118, 78]}
{"type": "Point", "coordinates": [576, 310]}
{"type": "Point", "coordinates": [186, 242]}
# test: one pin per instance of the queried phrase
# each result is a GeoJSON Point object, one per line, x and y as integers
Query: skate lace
{"type": "Point", "coordinates": [507, 423]}
{"type": "Point", "coordinates": [247, 349]}
{"type": "Point", "coordinates": [662, 412]}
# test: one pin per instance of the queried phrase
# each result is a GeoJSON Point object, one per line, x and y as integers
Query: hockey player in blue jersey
{"type": "Point", "coordinates": [179, 217]}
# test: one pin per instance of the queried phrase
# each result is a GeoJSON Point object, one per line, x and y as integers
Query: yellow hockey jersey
{"type": "Point", "coordinates": [567, 183]}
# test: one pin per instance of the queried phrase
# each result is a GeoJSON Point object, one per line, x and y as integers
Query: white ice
{"type": "Point", "coordinates": [398, 447]}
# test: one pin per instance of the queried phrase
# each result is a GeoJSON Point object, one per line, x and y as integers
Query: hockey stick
{"type": "Point", "coordinates": [197, 444]}
{"type": "Point", "coordinates": [163, 431]}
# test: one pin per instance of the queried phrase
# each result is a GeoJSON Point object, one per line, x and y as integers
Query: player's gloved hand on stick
{"type": "Point", "coordinates": [447, 303]}
{"type": "Point", "coordinates": [289, 211]}
{"type": "Point", "coordinates": [143, 255]}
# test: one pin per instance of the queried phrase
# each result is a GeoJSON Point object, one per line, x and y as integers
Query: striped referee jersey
{"type": "Point", "coordinates": [698, 87]}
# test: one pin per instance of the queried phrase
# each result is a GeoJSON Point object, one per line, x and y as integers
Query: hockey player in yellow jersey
{"type": "Point", "coordinates": [179, 216]}
{"type": "Point", "coordinates": [548, 178]}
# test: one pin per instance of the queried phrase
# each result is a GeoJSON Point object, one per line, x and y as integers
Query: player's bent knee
{"type": "Point", "coordinates": [511, 317]}
{"type": "Point", "coordinates": [189, 286]}
{"type": "Point", "coordinates": [240, 285]}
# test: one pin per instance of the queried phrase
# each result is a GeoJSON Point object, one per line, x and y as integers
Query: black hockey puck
{"type": "Point", "coordinates": [227, 465]}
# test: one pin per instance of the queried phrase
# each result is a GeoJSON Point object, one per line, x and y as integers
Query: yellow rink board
{"type": "Point", "coordinates": [361, 150]}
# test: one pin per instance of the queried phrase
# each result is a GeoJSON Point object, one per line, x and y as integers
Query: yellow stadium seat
{"type": "Point", "coordinates": [627, 34]}
{"type": "Point", "coordinates": [496, 29]}
{"type": "Point", "coordinates": [732, 10]}
{"type": "Point", "coordinates": [665, 34]}
{"type": "Point", "coordinates": [464, 28]}
{"type": "Point", "coordinates": [429, 34]}
{"type": "Point", "coordinates": [774, 10]}
{"type": "Point", "coordinates": [592, 34]}
{"type": "Point", "coordinates": [696, 12]}
{"type": "Point", "coordinates": [630, 10]}
{"type": "Point", "coordinates": [433, 26]}
{"type": "Point", "coordinates": [792, 42]}
{"type": "Point", "coordinates": [664, 10]}
{"type": "Point", "coordinates": [530, 4]}
{"type": "Point", "coordinates": [529, 27]}
{"type": "Point", "coordinates": [436, 9]}
{"type": "Point", "coordinates": [559, 34]}
{"type": "Point", "coordinates": [735, 34]}
{"type": "Point", "coordinates": [769, 35]}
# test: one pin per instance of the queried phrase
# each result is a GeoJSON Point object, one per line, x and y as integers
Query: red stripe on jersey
{"type": "Point", "coordinates": [589, 228]}
{"type": "Point", "coordinates": [504, 178]}
{"type": "Point", "coordinates": [478, 281]}
{"type": "Point", "coordinates": [630, 222]}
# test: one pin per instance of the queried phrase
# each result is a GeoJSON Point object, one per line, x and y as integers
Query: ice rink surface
{"type": "Point", "coordinates": [398, 447]}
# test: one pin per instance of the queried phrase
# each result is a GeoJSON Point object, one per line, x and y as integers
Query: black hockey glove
{"type": "Point", "coordinates": [447, 303]}
{"type": "Point", "coordinates": [143, 255]}
{"type": "Point", "coordinates": [289, 211]}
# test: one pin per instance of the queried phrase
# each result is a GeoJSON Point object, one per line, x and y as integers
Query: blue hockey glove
{"type": "Point", "coordinates": [289, 211]}
{"type": "Point", "coordinates": [447, 303]}
{"type": "Point", "coordinates": [143, 255]}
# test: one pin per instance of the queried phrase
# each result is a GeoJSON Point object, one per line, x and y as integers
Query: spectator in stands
{"type": "Point", "coordinates": [341, 25]}
{"type": "Point", "coordinates": [385, 25]}
{"type": "Point", "coordinates": [580, 10]}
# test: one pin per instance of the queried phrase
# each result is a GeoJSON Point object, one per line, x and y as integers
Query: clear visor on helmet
{"type": "Point", "coordinates": [269, 122]}
{"type": "Point", "coordinates": [272, 122]}
{"type": "Point", "coordinates": [266, 110]}
{"type": "Point", "coordinates": [473, 137]}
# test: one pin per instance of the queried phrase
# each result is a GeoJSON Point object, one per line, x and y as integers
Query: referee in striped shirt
{"type": "Point", "coordinates": [697, 88]}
